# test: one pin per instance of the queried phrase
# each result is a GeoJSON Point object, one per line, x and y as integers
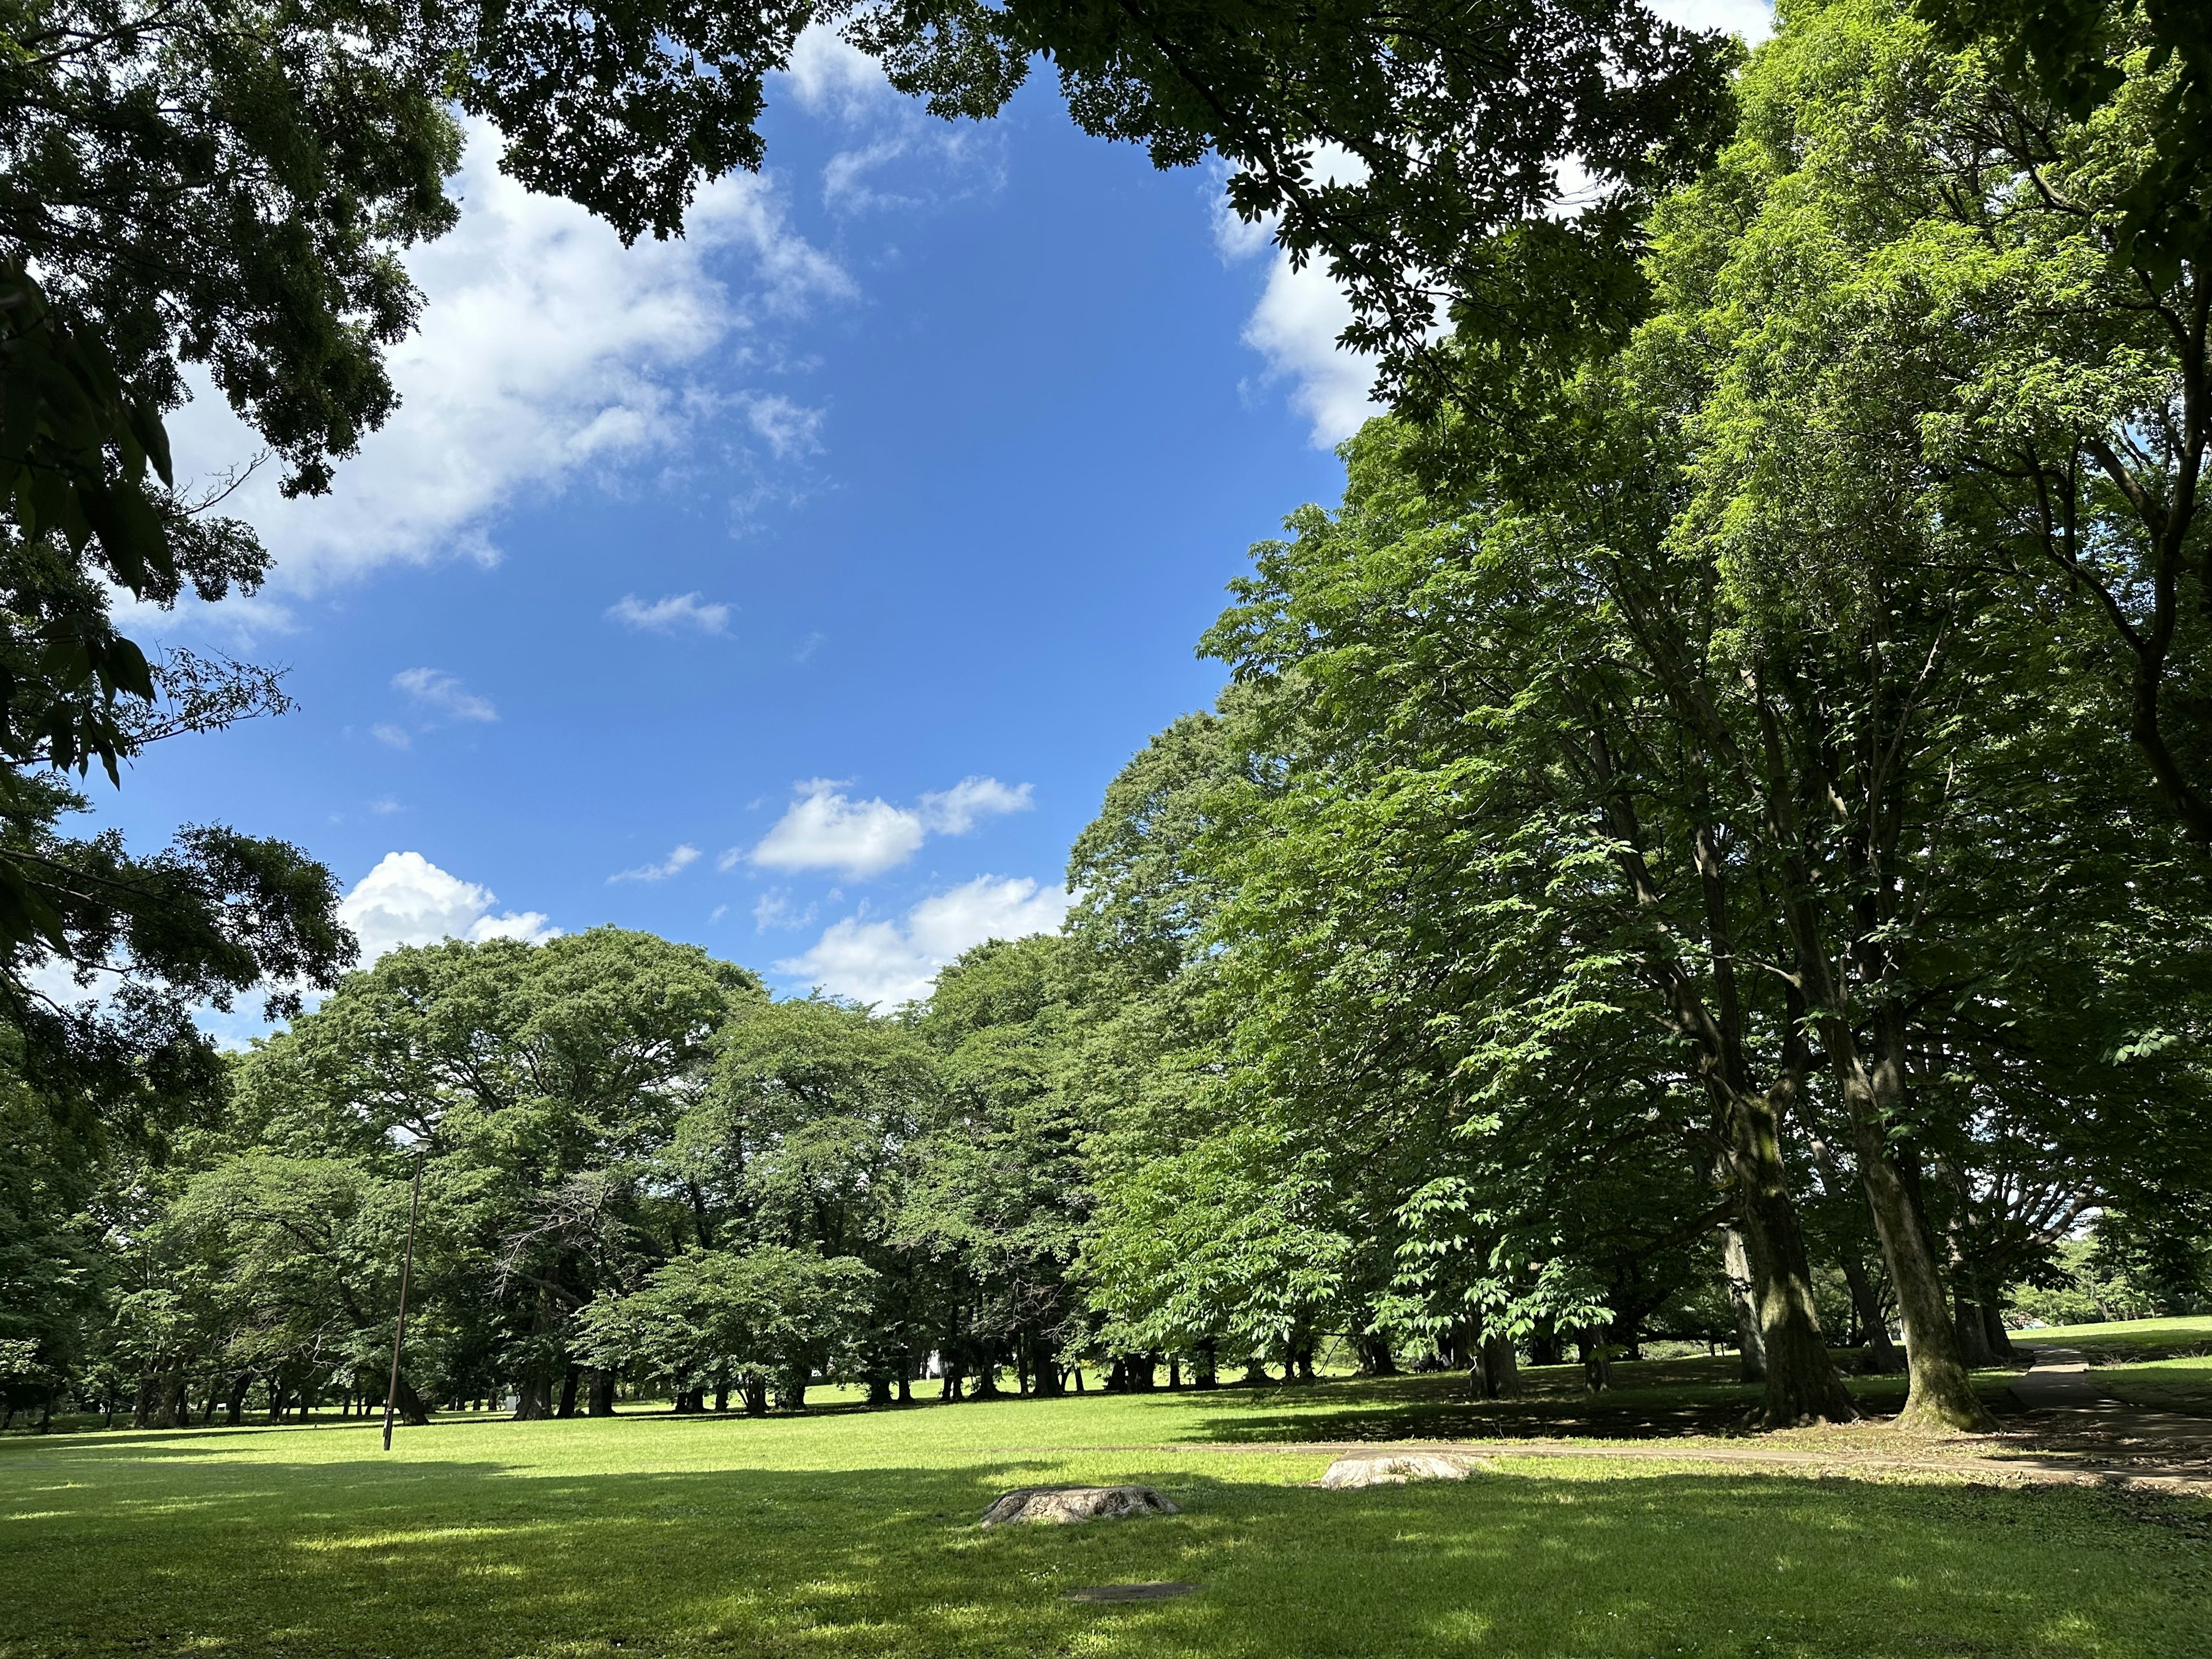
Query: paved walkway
{"type": "Point", "coordinates": [2058, 1381]}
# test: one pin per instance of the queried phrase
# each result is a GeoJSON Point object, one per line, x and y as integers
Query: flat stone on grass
{"type": "Point", "coordinates": [1351, 1474]}
{"type": "Point", "coordinates": [1063, 1505]}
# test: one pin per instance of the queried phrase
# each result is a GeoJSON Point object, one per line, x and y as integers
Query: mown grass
{"type": "Point", "coordinates": [2123, 1341]}
{"type": "Point", "coordinates": [848, 1533]}
{"type": "Point", "coordinates": [2166, 1385]}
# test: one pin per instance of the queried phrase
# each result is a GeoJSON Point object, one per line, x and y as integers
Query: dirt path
{"type": "Point", "coordinates": [2070, 1433]}
{"type": "Point", "coordinates": [2005, 1461]}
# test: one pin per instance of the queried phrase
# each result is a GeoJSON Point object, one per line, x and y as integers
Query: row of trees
{"type": "Point", "coordinates": [1723, 802]}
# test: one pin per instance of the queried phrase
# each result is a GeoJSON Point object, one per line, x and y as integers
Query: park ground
{"type": "Point", "coordinates": [1644, 1521]}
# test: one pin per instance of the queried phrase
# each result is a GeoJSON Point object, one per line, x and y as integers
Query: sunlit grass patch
{"type": "Point", "coordinates": [857, 1533]}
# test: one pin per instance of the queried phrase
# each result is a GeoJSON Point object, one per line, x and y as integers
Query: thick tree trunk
{"type": "Point", "coordinates": [1968, 1322]}
{"type": "Point", "coordinates": [1496, 1369]}
{"type": "Point", "coordinates": [905, 1390]}
{"type": "Point", "coordinates": [1803, 1384]}
{"type": "Point", "coordinates": [754, 1387]}
{"type": "Point", "coordinates": [601, 1401]}
{"type": "Point", "coordinates": [533, 1399]}
{"type": "Point", "coordinates": [1940, 1395]}
{"type": "Point", "coordinates": [569, 1379]}
{"type": "Point", "coordinates": [1993, 1325]}
{"type": "Point", "coordinates": [1743, 1298]}
{"type": "Point", "coordinates": [1546, 1345]}
{"type": "Point", "coordinates": [1205, 1365]}
{"type": "Point", "coordinates": [879, 1389]}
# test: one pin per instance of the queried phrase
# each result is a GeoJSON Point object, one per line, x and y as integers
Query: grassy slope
{"type": "Point", "coordinates": [853, 1534]}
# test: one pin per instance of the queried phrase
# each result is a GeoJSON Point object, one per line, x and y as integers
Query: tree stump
{"type": "Point", "coordinates": [1351, 1474]}
{"type": "Point", "coordinates": [1064, 1505]}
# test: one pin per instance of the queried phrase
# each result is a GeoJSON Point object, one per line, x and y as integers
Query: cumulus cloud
{"type": "Point", "coordinates": [675, 864]}
{"type": "Point", "coordinates": [408, 900]}
{"type": "Point", "coordinates": [892, 962]}
{"type": "Point", "coordinates": [395, 736]}
{"type": "Point", "coordinates": [1299, 315]}
{"type": "Point", "coordinates": [826, 830]}
{"type": "Point", "coordinates": [830, 75]}
{"type": "Point", "coordinates": [678, 610]}
{"type": "Point", "coordinates": [443, 694]}
{"type": "Point", "coordinates": [547, 349]}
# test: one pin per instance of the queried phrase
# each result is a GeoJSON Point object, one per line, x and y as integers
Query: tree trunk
{"type": "Point", "coordinates": [1496, 1369]}
{"type": "Point", "coordinates": [1866, 1306]}
{"type": "Point", "coordinates": [1968, 1323]}
{"type": "Point", "coordinates": [1743, 1298]}
{"type": "Point", "coordinates": [1940, 1395]}
{"type": "Point", "coordinates": [1205, 1365]}
{"type": "Point", "coordinates": [568, 1378]}
{"type": "Point", "coordinates": [1546, 1345]}
{"type": "Point", "coordinates": [754, 1386]}
{"type": "Point", "coordinates": [601, 1401]}
{"type": "Point", "coordinates": [1597, 1361]}
{"type": "Point", "coordinates": [533, 1399]}
{"type": "Point", "coordinates": [1802, 1385]}
{"type": "Point", "coordinates": [1993, 1325]}
{"type": "Point", "coordinates": [879, 1389]}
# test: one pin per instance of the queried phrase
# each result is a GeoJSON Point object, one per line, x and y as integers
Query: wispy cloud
{"type": "Point", "coordinates": [675, 864]}
{"type": "Point", "coordinates": [444, 694]}
{"type": "Point", "coordinates": [678, 610]}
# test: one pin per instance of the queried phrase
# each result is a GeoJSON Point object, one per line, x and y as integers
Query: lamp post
{"type": "Point", "coordinates": [406, 1271]}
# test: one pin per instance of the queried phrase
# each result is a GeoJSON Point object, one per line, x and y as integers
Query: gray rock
{"type": "Point", "coordinates": [1395, 1470]}
{"type": "Point", "coordinates": [1060, 1505]}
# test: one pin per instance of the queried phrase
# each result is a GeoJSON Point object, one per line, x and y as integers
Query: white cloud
{"type": "Point", "coordinates": [547, 349]}
{"type": "Point", "coordinates": [675, 864]}
{"type": "Point", "coordinates": [826, 830]}
{"type": "Point", "coordinates": [893, 962]}
{"type": "Point", "coordinates": [791, 429]}
{"type": "Point", "coordinates": [386, 732]}
{"type": "Point", "coordinates": [666, 615]}
{"type": "Point", "coordinates": [823, 829]}
{"type": "Point", "coordinates": [443, 694]}
{"type": "Point", "coordinates": [953, 811]}
{"type": "Point", "coordinates": [831, 79]}
{"type": "Point", "coordinates": [1300, 314]}
{"type": "Point", "coordinates": [776, 910]}
{"type": "Point", "coordinates": [830, 75]}
{"type": "Point", "coordinates": [408, 900]}
{"type": "Point", "coordinates": [1295, 328]}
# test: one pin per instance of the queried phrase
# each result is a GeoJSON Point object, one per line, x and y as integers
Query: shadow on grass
{"type": "Point", "coordinates": [346, 1559]}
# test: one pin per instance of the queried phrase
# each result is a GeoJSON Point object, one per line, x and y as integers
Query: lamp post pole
{"type": "Point", "coordinates": [406, 1273]}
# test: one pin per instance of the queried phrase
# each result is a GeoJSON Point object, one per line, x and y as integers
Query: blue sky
{"type": "Point", "coordinates": [794, 589]}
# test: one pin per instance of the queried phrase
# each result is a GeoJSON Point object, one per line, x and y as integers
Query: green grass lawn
{"type": "Point", "coordinates": [2166, 1385]}
{"type": "Point", "coordinates": [2125, 1339]}
{"type": "Point", "coordinates": [848, 1533]}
